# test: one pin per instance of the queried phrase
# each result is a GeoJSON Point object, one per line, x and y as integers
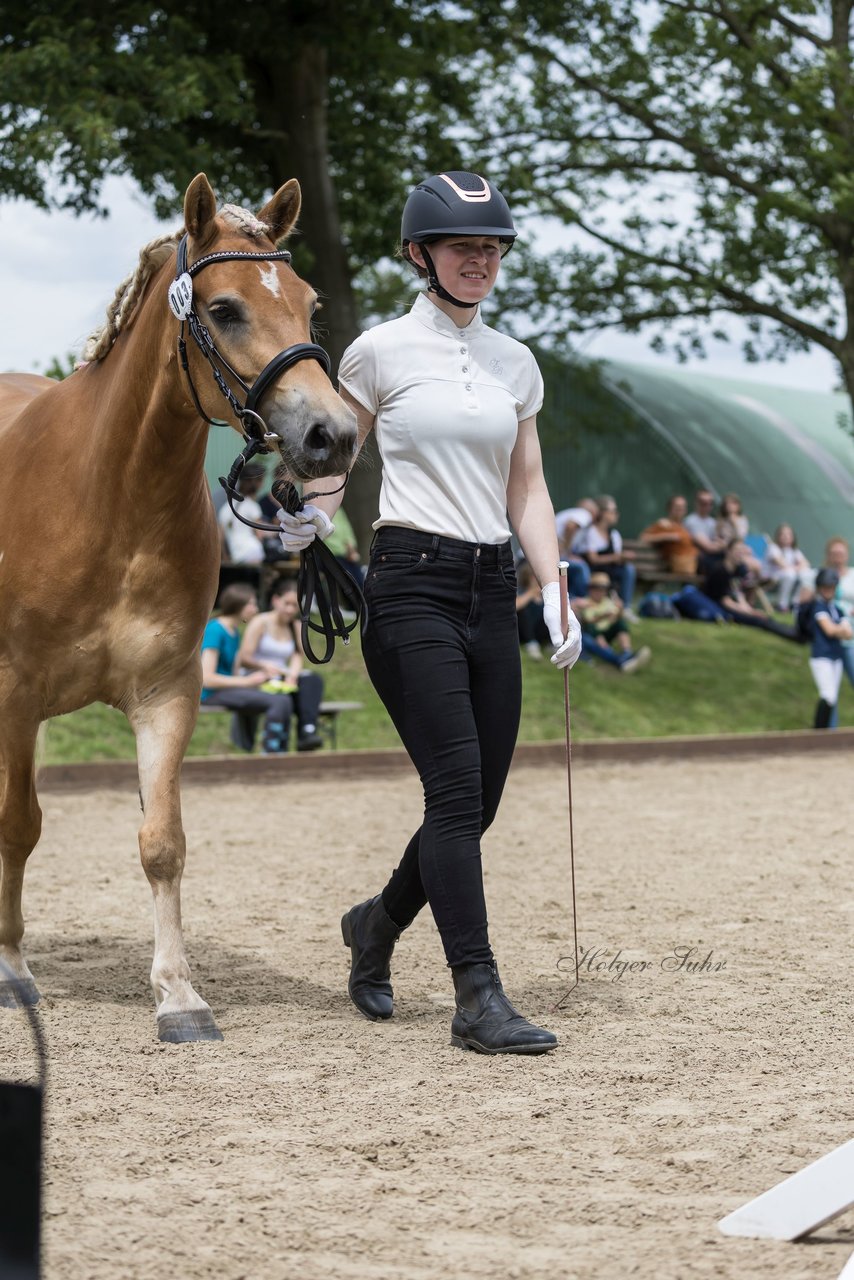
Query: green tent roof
{"type": "Point", "coordinates": [643, 434]}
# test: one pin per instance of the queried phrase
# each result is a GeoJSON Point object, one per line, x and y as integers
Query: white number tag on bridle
{"type": "Point", "coordinates": [181, 296]}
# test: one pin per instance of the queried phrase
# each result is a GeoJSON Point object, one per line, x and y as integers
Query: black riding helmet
{"type": "Point", "coordinates": [454, 204]}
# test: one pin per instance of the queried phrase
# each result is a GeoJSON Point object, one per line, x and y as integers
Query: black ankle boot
{"type": "Point", "coordinates": [486, 1020]}
{"type": "Point", "coordinates": [370, 934]}
{"type": "Point", "coordinates": [823, 712]}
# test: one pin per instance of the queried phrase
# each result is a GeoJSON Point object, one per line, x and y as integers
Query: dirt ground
{"type": "Point", "coordinates": [316, 1145]}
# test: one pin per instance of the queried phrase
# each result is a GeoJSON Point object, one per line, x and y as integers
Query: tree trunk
{"type": "Point", "coordinates": [295, 107]}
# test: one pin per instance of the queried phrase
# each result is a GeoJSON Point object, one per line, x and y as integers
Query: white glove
{"type": "Point", "coordinates": [300, 530]}
{"type": "Point", "coordinates": [567, 650]}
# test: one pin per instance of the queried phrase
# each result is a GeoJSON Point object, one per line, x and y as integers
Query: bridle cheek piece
{"type": "Point", "coordinates": [321, 579]}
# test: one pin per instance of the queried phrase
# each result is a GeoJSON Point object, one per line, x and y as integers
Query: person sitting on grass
{"type": "Point", "coordinates": [829, 629]}
{"type": "Point", "coordinates": [725, 590]}
{"type": "Point", "coordinates": [604, 631]}
{"type": "Point", "coordinates": [243, 694]}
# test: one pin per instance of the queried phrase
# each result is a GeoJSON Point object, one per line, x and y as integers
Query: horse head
{"type": "Point", "coordinates": [256, 312]}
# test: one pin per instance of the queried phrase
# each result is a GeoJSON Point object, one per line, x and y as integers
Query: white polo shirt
{"type": "Point", "coordinates": [447, 403]}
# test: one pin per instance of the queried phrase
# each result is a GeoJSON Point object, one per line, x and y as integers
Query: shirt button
{"type": "Point", "coordinates": [465, 368]}
{"type": "Point", "coordinates": [468, 386]}
{"type": "Point", "coordinates": [462, 351]}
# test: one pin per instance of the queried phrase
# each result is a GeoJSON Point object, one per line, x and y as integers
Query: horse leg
{"type": "Point", "coordinates": [162, 733]}
{"type": "Point", "coordinates": [20, 828]}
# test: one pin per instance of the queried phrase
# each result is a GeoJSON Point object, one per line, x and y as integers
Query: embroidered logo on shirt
{"type": "Point", "coordinates": [496, 367]}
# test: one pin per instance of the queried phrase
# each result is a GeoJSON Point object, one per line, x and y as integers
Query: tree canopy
{"type": "Point", "coordinates": [700, 156]}
{"type": "Point", "coordinates": [687, 160]}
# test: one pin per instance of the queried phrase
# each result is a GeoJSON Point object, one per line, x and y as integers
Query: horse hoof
{"type": "Point", "coordinates": [17, 995]}
{"type": "Point", "coordinates": [183, 1028]}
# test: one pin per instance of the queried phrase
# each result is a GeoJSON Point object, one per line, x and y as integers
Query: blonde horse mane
{"type": "Point", "coordinates": [151, 259]}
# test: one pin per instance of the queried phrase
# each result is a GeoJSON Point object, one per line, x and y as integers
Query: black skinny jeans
{"type": "Point", "coordinates": [442, 650]}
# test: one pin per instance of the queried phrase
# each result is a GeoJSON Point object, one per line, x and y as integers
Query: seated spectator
{"type": "Point", "coordinates": [829, 630]}
{"type": "Point", "coordinates": [569, 524]}
{"type": "Point", "coordinates": [784, 567]}
{"type": "Point", "coordinates": [272, 643]}
{"type": "Point", "coordinates": [221, 687]}
{"type": "Point", "coordinates": [723, 587]}
{"type": "Point", "coordinates": [733, 525]}
{"type": "Point", "coordinates": [240, 543]}
{"type": "Point", "coordinates": [601, 545]}
{"type": "Point", "coordinates": [533, 632]}
{"type": "Point", "coordinates": [673, 539]}
{"type": "Point", "coordinates": [604, 632]}
{"type": "Point", "coordinates": [703, 528]}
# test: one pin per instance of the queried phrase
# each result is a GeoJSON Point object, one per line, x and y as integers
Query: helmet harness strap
{"type": "Point", "coordinates": [433, 285]}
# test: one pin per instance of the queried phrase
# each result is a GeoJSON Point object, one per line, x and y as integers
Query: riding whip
{"type": "Point", "coordinates": [563, 569]}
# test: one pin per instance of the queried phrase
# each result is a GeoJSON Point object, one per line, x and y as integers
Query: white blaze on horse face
{"type": "Point", "coordinates": [270, 279]}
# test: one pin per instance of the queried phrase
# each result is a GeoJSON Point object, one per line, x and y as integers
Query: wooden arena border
{"type": "Point", "coordinates": [207, 770]}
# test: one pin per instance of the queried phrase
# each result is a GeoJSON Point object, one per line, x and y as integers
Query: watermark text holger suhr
{"type": "Point", "coordinates": [690, 961]}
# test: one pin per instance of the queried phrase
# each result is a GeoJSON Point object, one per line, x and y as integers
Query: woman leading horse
{"type": "Point", "coordinates": [107, 586]}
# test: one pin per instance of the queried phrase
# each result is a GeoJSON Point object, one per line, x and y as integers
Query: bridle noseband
{"type": "Point", "coordinates": [321, 579]}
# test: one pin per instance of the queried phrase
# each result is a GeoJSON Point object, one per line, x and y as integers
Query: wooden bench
{"type": "Point", "coordinates": [328, 717]}
{"type": "Point", "coordinates": [652, 569]}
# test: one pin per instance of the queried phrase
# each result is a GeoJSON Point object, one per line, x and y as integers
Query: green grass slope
{"type": "Point", "coordinates": [702, 679]}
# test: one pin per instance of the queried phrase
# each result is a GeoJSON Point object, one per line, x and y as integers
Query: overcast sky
{"type": "Point", "coordinates": [58, 273]}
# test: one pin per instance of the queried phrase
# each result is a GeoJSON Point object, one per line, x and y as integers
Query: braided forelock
{"type": "Point", "coordinates": [245, 221]}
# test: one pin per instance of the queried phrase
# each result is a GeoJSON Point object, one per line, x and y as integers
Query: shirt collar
{"type": "Point", "coordinates": [432, 317]}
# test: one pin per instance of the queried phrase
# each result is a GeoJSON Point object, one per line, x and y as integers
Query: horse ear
{"type": "Point", "coordinates": [199, 209]}
{"type": "Point", "coordinates": [282, 211]}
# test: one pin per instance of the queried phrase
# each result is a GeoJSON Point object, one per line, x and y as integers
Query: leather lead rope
{"type": "Point", "coordinates": [321, 580]}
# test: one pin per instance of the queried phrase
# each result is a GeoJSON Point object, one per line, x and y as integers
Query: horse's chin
{"type": "Point", "coordinates": [297, 466]}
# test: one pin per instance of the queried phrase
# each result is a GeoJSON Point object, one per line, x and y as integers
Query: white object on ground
{"type": "Point", "coordinates": [800, 1204]}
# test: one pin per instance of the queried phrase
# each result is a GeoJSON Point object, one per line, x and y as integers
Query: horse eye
{"type": "Point", "coordinates": [224, 314]}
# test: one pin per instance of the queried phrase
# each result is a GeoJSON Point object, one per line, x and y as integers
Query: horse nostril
{"type": "Point", "coordinates": [318, 439]}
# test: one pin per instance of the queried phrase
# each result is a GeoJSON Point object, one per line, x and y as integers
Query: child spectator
{"type": "Point", "coordinates": [829, 629]}
{"type": "Point", "coordinates": [784, 566]}
{"type": "Point", "coordinates": [604, 632]}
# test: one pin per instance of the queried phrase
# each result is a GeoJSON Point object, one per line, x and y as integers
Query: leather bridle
{"type": "Point", "coordinates": [322, 582]}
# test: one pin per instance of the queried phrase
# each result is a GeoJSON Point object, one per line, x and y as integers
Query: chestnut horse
{"type": "Point", "coordinates": [109, 547]}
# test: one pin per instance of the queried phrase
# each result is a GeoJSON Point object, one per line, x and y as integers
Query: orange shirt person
{"type": "Point", "coordinates": [673, 539]}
